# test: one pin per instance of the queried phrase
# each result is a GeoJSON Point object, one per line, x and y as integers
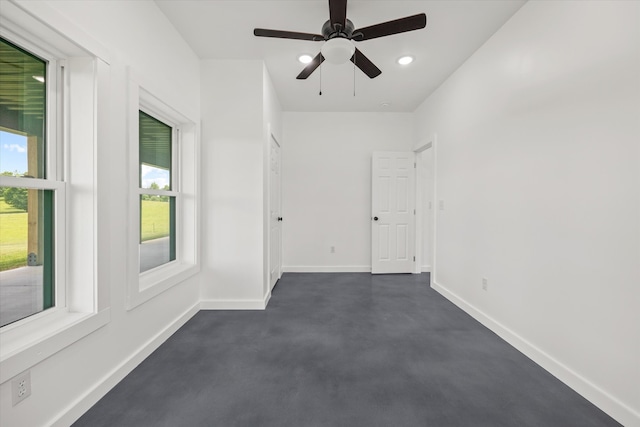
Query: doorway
{"type": "Point", "coordinates": [425, 207]}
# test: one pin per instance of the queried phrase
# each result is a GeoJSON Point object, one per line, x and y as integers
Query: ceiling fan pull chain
{"type": "Point", "coordinates": [320, 94]}
{"type": "Point", "coordinates": [355, 57]}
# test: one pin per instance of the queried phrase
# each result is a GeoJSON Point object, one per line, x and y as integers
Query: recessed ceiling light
{"type": "Point", "coordinates": [38, 78]}
{"type": "Point", "coordinates": [305, 59]}
{"type": "Point", "coordinates": [385, 104]}
{"type": "Point", "coordinates": [405, 60]}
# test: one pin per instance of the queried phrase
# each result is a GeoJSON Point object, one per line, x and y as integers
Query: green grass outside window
{"type": "Point", "coordinates": [13, 223]}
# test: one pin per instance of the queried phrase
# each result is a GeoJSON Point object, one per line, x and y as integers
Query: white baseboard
{"type": "Point", "coordinates": [81, 405]}
{"type": "Point", "coordinates": [267, 298]}
{"type": "Point", "coordinates": [426, 269]}
{"type": "Point", "coordinates": [241, 304]}
{"type": "Point", "coordinates": [327, 269]}
{"type": "Point", "coordinates": [611, 405]}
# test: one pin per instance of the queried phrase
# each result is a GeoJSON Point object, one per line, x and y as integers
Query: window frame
{"type": "Point", "coordinates": [185, 181]}
{"type": "Point", "coordinates": [81, 304]}
{"type": "Point", "coordinates": [53, 178]}
{"type": "Point", "coordinates": [175, 175]}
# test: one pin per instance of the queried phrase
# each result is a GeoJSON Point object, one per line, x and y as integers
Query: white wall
{"type": "Point", "coordinates": [69, 382]}
{"type": "Point", "coordinates": [538, 166]}
{"type": "Point", "coordinates": [326, 185]}
{"type": "Point", "coordinates": [232, 150]}
{"type": "Point", "coordinates": [239, 107]}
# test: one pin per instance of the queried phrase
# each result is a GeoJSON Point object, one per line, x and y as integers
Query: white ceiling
{"type": "Point", "coordinates": [455, 30]}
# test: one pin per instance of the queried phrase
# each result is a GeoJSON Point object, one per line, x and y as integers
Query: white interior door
{"type": "Point", "coordinates": [393, 212]}
{"type": "Point", "coordinates": [275, 224]}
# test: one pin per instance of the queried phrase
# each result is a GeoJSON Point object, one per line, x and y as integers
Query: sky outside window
{"type": "Point", "coordinates": [152, 174]}
{"type": "Point", "coordinates": [13, 153]}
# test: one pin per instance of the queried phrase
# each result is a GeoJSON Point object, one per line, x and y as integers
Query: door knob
{"type": "Point", "coordinates": [279, 218]}
{"type": "Point", "coordinates": [375, 218]}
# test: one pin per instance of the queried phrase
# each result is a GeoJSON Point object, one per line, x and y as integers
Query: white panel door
{"type": "Point", "coordinates": [275, 222]}
{"type": "Point", "coordinates": [393, 214]}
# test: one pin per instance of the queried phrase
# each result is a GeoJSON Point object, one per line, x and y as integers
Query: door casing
{"type": "Point", "coordinates": [275, 216]}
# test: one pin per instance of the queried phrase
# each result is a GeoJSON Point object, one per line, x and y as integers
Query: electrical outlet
{"type": "Point", "coordinates": [485, 284]}
{"type": "Point", "coordinates": [441, 204]}
{"type": "Point", "coordinates": [20, 387]}
{"type": "Point", "coordinates": [332, 249]}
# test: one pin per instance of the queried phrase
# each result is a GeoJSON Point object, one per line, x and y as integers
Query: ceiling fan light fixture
{"type": "Point", "coordinates": [337, 50]}
{"type": "Point", "coordinates": [305, 58]}
{"type": "Point", "coordinates": [405, 60]}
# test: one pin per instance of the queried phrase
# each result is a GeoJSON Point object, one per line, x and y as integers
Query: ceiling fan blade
{"type": "Point", "coordinates": [261, 32]}
{"type": "Point", "coordinates": [338, 12]}
{"type": "Point", "coordinates": [396, 26]}
{"type": "Point", "coordinates": [311, 67]}
{"type": "Point", "coordinates": [365, 64]}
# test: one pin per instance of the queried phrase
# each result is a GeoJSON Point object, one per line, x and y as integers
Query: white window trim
{"type": "Point", "coordinates": [78, 311]}
{"type": "Point", "coordinates": [145, 286]}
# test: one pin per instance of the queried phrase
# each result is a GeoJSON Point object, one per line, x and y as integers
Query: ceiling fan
{"type": "Point", "coordinates": [337, 32]}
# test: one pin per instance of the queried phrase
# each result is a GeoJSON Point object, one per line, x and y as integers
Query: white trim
{"type": "Point", "coordinates": [326, 269]}
{"type": "Point", "coordinates": [52, 338]}
{"type": "Point", "coordinates": [185, 188]}
{"type": "Point", "coordinates": [418, 149]}
{"type": "Point", "coordinates": [268, 209]}
{"type": "Point", "coordinates": [76, 314]}
{"type": "Point", "coordinates": [31, 183]}
{"type": "Point", "coordinates": [54, 152]}
{"type": "Point", "coordinates": [60, 30]}
{"type": "Point", "coordinates": [619, 411]}
{"type": "Point", "coordinates": [60, 242]}
{"type": "Point", "coordinates": [84, 75]}
{"type": "Point", "coordinates": [82, 404]}
{"type": "Point", "coordinates": [426, 269]}
{"type": "Point", "coordinates": [34, 43]}
{"type": "Point", "coordinates": [158, 280]}
{"type": "Point", "coordinates": [229, 304]}
{"type": "Point", "coordinates": [151, 192]}
{"type": "Point", "coordinates": [423, 146]}
{"type": "Point", "coordinates": [435, 205]}
{"type": "Point", "coordinates": [267, 298]}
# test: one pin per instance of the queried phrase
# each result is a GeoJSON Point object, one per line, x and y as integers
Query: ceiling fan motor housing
{"type": "Point", "coordinates": [329, 32]}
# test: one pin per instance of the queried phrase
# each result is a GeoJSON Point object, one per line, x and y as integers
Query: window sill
{"type": "Point", "coordinates": [158, 280]}
{"type": "Point", "coordinates": [28, 344]}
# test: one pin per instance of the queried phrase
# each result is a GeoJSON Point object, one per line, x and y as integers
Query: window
{"type": "Point", "coordinates": [157, 193]}
{"type": "Point", "coordinates": [51, 92]}
{"type": "Point", "coordinates": [30, 201]}
{"type": "Point", "coordinates": [163, 246]}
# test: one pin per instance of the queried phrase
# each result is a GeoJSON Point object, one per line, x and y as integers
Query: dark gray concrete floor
{"type": "Point", "coordinates": [342, 350]}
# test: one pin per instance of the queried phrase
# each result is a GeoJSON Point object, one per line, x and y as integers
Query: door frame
{"type": "Point", "coordinates": [421, 147]}
{"type": "Point", "coordinates": [268, 212]}
{"type": "Point", "coordinates": [266, 216]}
